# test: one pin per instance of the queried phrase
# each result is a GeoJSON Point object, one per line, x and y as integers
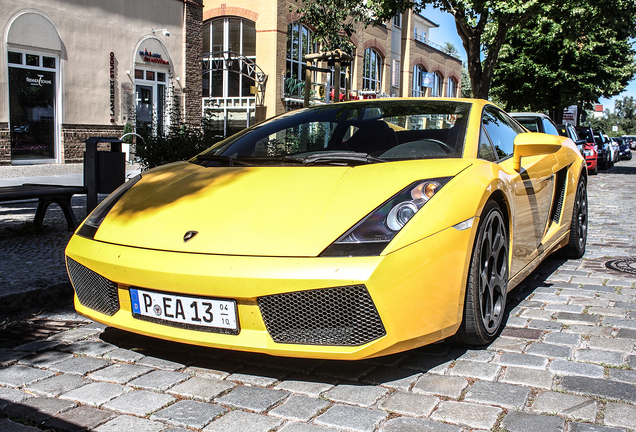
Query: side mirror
{"type": "Point", "coordinates": [533, 144]}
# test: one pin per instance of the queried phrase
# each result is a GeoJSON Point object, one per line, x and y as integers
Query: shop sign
{"type": "Point", "coordinates": [570, 115]}
{"type": "Point", "coordinates": [39, 81]}
{"type": "Point", "coordinates": [427, 79]}
{"type": "Point", "coordinates": [112, 87]}
{"type": "Point", "coordinates": [151, 57]}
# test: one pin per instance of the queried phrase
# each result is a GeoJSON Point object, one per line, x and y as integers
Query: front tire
{"type": "Point", "coordinates": [578, 226]}
{"type": "Point", "coordinates": [487, 286]}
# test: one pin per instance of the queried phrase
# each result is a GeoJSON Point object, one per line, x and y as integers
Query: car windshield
{"type": "Point", "coordinates": [529, 123]}
{"type": "Point", "coordinates": [585, 134]}
{"type": "Point", "coordinates": [349, 134]}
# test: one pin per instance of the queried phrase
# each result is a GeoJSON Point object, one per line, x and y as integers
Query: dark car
{"type": "Point", "coordinates": [596, 138]}
{"type": "Point", "coordinates": [624, 153]}
{"type": "Point", "coordinates": [567, 130]}
{"type": "Point", "coordinates": [587, 150]}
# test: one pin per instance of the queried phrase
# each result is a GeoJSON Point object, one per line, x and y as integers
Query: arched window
{"type": "Point", "coordinates": [372, 70]}
{"type": "Point", "coordinates": [419, 90]}
{"type": "Point", "coordinates": [299, 44]}
{"type": "Point", "coordinates": [451, 87]}
{"type": "Point", "coordinates": [228, 35]}
{"type": "Point", "coordinates": [438, 82]}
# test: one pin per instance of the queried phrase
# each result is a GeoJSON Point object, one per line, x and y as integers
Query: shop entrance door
{"type": "Point", "coordinates": [32, 115]}
{"type": "Point", "coordinates": [144, 99]}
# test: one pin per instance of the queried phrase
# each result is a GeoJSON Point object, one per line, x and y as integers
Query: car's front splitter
{"type": "Point", "coordinates": [417, 291]}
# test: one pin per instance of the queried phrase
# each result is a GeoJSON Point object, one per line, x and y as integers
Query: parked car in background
{"type": "Point", "coordinates": [567, 130]}
{"type": "Point", "coordinates": [587, 133]}
{"type": "Point", "coordinates": [536, 122]}
{"type": "Point", "coordinates": [591, 158]}
{"type": "Point", "coordinates": [613, 148]}
{"type": "Point", "coordinates": [587, 150]}
{"type": "Point", "coordinates": [624, 153]}
{"type": "Point", "coordinates": [602, 148]}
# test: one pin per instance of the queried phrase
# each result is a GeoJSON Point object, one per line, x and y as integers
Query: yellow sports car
{"type": "Point", "coordinates": [344, 231]}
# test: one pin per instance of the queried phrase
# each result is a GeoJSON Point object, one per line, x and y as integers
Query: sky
{"type": "Point", "coordinates": [447, 32]}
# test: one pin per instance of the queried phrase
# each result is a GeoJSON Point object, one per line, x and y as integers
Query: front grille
{"type": "Point", "coordinates": [343, 316]}
{"type": "Point", "coordinates": [93, 291]}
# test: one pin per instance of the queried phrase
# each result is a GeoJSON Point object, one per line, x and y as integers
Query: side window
{"type": "Point", "coordinates": [502, 132]}
{"type": "Point", "coordinates": [549, 127]}
{"type": "Point", "coordinates": [486, 151]}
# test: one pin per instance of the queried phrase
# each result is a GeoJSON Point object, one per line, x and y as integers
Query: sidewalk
{"type": "Point", "coordinates": [32, 270]}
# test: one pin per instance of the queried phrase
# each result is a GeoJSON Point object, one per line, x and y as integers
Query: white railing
{"type": "Point", "coordinates": [435, 45]}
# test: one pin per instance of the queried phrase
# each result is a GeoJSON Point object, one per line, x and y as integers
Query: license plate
{"type": "Point", "coordinates": [198, 313]}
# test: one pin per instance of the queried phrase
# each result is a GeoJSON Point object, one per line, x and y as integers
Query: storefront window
{"type": "Point", "coordinates": [32, 60]}
{"type": "Point", "coordinates": [372, 70]}
{"type": "Point", "coordinates": [451, 87]}
{"type": "Point", "coordinates": [32, 100]}
{"type": "Point", "coordinates": [419, 90]}
{"type": "Point", "coordinates": [299, 44]}
{"type": "Point", "coordinates": [228, 39]}
{"type": "Point", "coordinates": [438, 82]}
{"type": "Point", "coordinates": [150, 98]}
{"type": "Point", "coordinates": [15, 57]}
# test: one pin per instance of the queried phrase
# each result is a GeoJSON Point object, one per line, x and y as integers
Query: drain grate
{"type": "Point", "coordinates": [625, 265]}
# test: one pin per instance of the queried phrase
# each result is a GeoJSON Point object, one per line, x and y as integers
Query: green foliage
{"type": "Point", "coordinates": [180, 143]}
{"type": "Point", "coordinates": [624, 116]}
{"type": "Point", "coordinates": [335, 21]}
{"type": "Point", "coordinates": [483, 25]}
{"type": "Point", "coordinates": [467, 91]}
{"type": "Point", "coordinates": [573, 52]}
{"type": "Point", "coordinates": [128, 128]}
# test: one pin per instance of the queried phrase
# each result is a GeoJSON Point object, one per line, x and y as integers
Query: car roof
{"type": "Point", "coordinates": [525, 114]}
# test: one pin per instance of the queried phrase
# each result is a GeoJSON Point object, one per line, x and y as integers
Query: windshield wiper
{"type": "Point", "coordinates": [334, 157]}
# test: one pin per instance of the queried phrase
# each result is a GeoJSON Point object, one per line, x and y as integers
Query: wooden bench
{"type": "Point", "coordinates": [46, 194]}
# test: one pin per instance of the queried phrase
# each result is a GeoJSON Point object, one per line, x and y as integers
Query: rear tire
{"type": "Point", "coordinates": [487, 286]}
{"type": "Point", "coordinates": [578, 226]}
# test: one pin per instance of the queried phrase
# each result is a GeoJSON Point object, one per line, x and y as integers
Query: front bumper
{"type": "Point", "coordinates": [418, 291]}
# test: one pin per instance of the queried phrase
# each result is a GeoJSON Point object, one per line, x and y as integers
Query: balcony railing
{"type": "Point", "coordinates": [424, 40]}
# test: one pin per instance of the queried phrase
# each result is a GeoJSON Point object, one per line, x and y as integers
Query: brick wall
{"type": "Point", "coordinates": [73, 137]}
{"type": "Point", "coordinates": [5, 144]}
{"type": "Point", "coordinates": [193, 18]}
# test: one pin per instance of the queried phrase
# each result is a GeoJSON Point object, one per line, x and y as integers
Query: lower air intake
{"type": "Point", "coordinates": [93, 291]}
{"type": "Point", "coordinates": [341, 316]}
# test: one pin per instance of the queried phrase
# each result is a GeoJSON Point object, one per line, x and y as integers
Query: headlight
{"type": "Point", "coordinates": [588, 152]}
{"type": "Point", "coordinates": [371, 235]}
{"type": "Point", "coordinates": [95, 219]}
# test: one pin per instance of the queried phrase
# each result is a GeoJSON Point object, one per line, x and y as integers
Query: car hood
{"type": "Point", "coordinates": [257, 211]}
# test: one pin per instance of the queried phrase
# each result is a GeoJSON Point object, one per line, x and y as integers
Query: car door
{"type": "Point", "coordinates": [533, 188]}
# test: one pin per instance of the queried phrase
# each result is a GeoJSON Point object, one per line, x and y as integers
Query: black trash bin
{"type": "Point", "coordinates": [103, 171]}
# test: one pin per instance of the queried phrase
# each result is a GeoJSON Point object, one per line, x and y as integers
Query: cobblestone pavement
{"type": "Point", "coordinates": [566, 360]}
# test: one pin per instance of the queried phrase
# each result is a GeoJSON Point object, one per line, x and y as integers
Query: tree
{"type": "Point", "coordinates": [335, 21]}
{"type": "Point", "coordinates": [467, 91]}
{"type": "Point", "coordinates": [573, 52]}
{"type": "Point", "coordinates": [449, 49]}
{"type": "Point", "coordinates": [624, 116]}
{"type": "Point", "coordinates": [483, 26]}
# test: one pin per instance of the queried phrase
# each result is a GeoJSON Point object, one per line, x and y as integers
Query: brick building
{"type": "Point", "coordinates": [71, 69]}
{"type": "Point", "coordinates": [254, 61]}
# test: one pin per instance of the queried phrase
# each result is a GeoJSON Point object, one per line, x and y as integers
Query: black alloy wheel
{"type": "Point", "coordinates": [487, 287]}
{"type": "Point", "coordinates": [578, 225]}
